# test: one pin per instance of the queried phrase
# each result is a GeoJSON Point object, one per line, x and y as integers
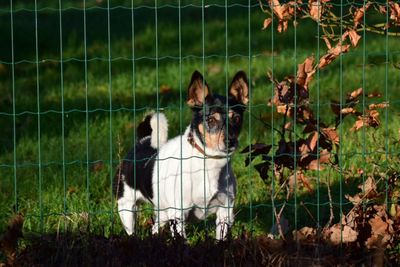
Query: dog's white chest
{"type": "Point", "coordinates": [183, 178]}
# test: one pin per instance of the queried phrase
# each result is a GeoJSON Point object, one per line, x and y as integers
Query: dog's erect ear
{"type": "Point", "coordinates": [198, 90]}
{"type": "Point", "coordinates": [239, 88]}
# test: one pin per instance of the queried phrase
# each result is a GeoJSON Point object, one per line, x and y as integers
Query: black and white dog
{"type": "Point", "coordinates": [191, 172]}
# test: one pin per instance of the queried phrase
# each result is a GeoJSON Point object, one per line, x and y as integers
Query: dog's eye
{"type": "Point", "coordinates": [236, 119]}
{"type": "Point", "coordinates": [211, 121]}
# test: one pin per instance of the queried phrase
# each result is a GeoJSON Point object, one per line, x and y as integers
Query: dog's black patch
{"type": "Point", "coordinates": [144, 128]}
{"type": "Point", "coordinates": [137, 167]}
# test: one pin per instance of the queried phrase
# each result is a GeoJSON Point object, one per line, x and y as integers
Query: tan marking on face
{"type": "Point", "coordinates": [230, 114]}
{"type": "Point", "coordinates": [215, 141]}
{"type": "Point", "coordinates": [216, 116]}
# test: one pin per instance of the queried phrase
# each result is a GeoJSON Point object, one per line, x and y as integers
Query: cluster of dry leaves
{"type": "Point", "coordinates": [367, 224]}
{"type": "Point", "coordinates": [318, 145]}
{"type": "Point", "coordinates": [321, 12]}
{"type": "Point", "coordinates": [321, 140]}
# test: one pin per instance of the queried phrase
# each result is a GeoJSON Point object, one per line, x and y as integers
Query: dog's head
{"type": "Point", "coordinates": [217, 119]}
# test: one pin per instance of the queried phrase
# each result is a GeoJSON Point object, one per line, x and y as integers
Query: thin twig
{"type": "Point", "coordinates": [332, 216]}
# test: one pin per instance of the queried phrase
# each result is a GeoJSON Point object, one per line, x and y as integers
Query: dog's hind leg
{"type": "Point", "coordinates": [127, 213]}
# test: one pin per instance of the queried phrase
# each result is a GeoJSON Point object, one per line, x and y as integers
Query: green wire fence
{"type": "Point", "coordinates": [77, 78]}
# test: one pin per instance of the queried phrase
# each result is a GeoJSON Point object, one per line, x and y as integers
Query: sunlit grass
{"type": "Point", "coordinates": [88, 113]}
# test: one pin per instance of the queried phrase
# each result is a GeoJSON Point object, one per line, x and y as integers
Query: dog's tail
{"type": "Point", "coordinates": [155, 126]}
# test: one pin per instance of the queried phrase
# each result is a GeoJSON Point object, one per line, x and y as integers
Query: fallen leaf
{"type": "Point", "coordinates": [378, 226]}
{"type": "Point", "coordinates": [356, 200]}
{"type": "Point", "coordinates": [331, 135]}
{"type": "Point", "coordinates": [338, 236]}
{"type": "Point", "coordinates": [316, 164]}
{"type": "Point", "coordinates": [380, 235]}
{"type": "Point", "coordinates": [305, 234]}
{"type": "Point", "coordinates": [369, 187]}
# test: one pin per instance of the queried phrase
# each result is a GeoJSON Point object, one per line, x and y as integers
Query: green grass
{"type": "Point", "coordinates": [68, 188]}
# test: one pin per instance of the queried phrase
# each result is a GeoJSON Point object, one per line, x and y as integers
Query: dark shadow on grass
{"type": "Point", "coordinates": [90, 250]}
{"type": "Point", "coordinates": [311, 211]}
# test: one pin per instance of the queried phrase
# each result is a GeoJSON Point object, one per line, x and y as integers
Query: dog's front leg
{"type": "Point", "coordinates": [160, 220]}
{"type": "Point", "coordinates": [225, 218]}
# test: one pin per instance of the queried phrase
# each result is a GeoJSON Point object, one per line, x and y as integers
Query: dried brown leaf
{"type": "Point", "coordinates": [332, 54]}
{"type": "Point", "coordinates": [368, 185]}
{"type": "Point", "coordinates": [378, 226]}
{"type": "Point", "coordinates": [281, 109]}
{"type": "Point", "coordinates": [278, 8]}
{"type": "Point", "coordinates": [339, 49]}
{"type": "Point", "coordinates": [359, 14]}
{"type": "Point", "coordinates": [266, 23]}
{"type": "Point", "coordinates": [315, 7]}
{"type": "Point", "coordinates": [309, 144]}
{"type": "Point", "coordinates": [356, 200]}
{"type": "Point", "coordinates": [338, 236]}
{"type": "Point", "coordinates": [380, 105]}
{"type": "Point", "coordinates": [316, 164]}
{"type": "Point", "coordinates": [358, 124]}
{"type": "Point", "coordinates": [305, 182]}
{"type": "Point", "coordinates": [355, 94]}
{"type": "Point", "coordinates": [345, 111]}
{"type": "Point", "coordinates": [380, 232]}
{"type": "Point", "coordinates": [331, 135]}
{"type": "Point", "coordinates": [305, 234]}
{"type": "Point", "coordinates": [288, 125]}
{"type": "Point", "coordinates": [395, 12]}
{"type": "Point", "coordinates": [282, 26]}
{"type": "Point", "coordinates": [354, 37]}
{"type": "Point", "coordinates": [305, 72]}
